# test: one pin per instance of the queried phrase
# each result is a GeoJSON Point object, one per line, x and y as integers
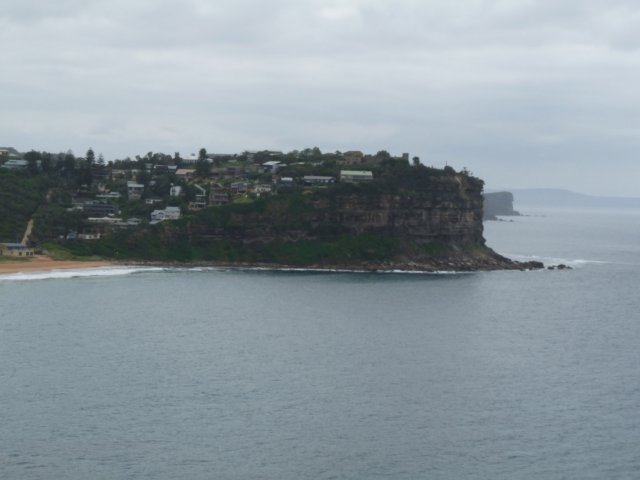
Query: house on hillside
{"type": "Point", "coordinates": [134, 190]}
{"type": "Point", "coordinates": [260, 188]}
{"type": "Point", "coordinates": [218, 196]}
{"type": "Point", "coordinates": [99, 209]}
{"type": "Point", "coordinates": [239, 187]}
{"type": "Point", "coordinates": [169, 213]}
{"type": "Point", "coordinates": [355, 176]}
{"type": "Point", "coordinates": [311, 180]}
{"type": "Point", "coordinates": [352, 157]}
{"type": "Point", "coordinates": [271, 166]}
{"type": "Point", "coordinates": [8, 153]}
{"type": "Point", "coordinates": [14, 164]}
{"type": "Point", "coordinates": [200, 200]}
{"type": "Point", "coordinates": [186, 173]}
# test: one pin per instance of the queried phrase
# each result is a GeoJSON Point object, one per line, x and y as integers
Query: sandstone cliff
{"type": "Point", "coordinates": [437, 225]}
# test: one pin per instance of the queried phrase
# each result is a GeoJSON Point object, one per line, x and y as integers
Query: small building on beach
{"type": "Point", "coordinates": [15, 250]}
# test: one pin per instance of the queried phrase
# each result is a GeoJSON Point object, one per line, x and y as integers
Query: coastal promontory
{"type": "Point", "coordinates": [340, 211]}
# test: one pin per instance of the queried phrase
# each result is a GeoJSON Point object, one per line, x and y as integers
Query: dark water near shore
{"type": "Point", "coordinates": [239, 375]}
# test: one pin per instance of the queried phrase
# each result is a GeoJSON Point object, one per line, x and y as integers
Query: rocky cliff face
{"type": "Point", "coordinates": [450, 213]}
{"type": "Point", "coordinates": [498, 203]}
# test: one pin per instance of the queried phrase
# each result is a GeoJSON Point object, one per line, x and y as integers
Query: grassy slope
{"type": "Point", "coordinates": [20, 197]}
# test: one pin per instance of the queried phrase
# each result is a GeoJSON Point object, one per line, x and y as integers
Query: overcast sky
{"type": "Point", "coordinates": [539, 93]}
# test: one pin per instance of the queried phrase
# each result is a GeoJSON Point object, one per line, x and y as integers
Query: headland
{"type": "Point", "coordinates": [342, 211]}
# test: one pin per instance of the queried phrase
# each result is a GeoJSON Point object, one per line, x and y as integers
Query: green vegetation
{"type": "Point", "coordinates": [20, 197]}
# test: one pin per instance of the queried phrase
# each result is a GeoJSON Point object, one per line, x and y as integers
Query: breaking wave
{"type": "Point", "coordinates": [76, 273]}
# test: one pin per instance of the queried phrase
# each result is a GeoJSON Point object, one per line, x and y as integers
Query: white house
{"type": "Point", "coordinates": [169, 213]}
{"type": "Point", "coordinates": [15, 164]}
{"type": "Point", "coordinates": [262, 188]}
{"type": "Point", "coordinates": [271, 166]}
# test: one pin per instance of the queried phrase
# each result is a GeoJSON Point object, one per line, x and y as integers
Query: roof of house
{"type": "Point", "coordinates": [13, 245]}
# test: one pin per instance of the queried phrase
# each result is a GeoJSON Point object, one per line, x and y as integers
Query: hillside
{"type": "Point", "coordinates": [20, 197]}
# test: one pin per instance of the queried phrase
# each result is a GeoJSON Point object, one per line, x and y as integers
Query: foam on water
{"type": "Point", "coordinates": [75, 273]}
{"type": "Point", "coordinates": [574, 262]}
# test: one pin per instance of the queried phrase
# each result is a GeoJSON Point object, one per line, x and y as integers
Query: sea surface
{"type": "Point", "coordinates": [134, 373]}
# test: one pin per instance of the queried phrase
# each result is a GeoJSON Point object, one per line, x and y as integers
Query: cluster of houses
{"type": "Point", "coordinates": [223, 179]}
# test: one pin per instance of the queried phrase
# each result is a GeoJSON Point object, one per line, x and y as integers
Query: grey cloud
{"type": "Point", "coordinates": [503, 87]}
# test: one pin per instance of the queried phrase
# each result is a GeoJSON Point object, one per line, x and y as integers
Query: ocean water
{"type": "Point", "coordinates": [222, 374]}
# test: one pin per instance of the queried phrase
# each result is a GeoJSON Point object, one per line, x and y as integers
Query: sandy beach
{"type": "Point", "coordinates": [42, 264]}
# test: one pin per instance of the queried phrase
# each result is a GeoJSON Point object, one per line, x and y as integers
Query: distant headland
{"type": "Point", "coordinates": [301, 209]}
{"type": "Point", "coordinates": [498, 203]}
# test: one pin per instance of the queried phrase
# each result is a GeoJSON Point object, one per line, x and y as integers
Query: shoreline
{"type": "Point", "coordinates": [390, 267]}
{"type": "Point", "coordinates": [41, 263]}
{"type": "Point", "coordinates": [443, 265]}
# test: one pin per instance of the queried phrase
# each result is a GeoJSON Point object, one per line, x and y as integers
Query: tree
{"type": "Point", "coordinates": [91, 157]}
{"type": "Point", "coordinates": [47, 162]}
{"type": "Point", "coordinates": [69, 162]}
{"type": "Point", "coordinates": [383, 155]}
{"type": "Point", "coordinates": [416, 161]}
{"type": "Point", "coordinates": [202, 165]}
{"type": "Point", "coordinates": [33, 159]}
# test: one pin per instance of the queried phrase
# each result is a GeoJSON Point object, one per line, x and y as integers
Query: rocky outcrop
{"type": "Point", "coordinates": [498, 203]}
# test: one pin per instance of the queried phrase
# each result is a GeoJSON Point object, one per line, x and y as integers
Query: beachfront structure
{"type": "Point", "coordinates": [15, 250]}
{"type": "Point", "coordinates": [355, 176]}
